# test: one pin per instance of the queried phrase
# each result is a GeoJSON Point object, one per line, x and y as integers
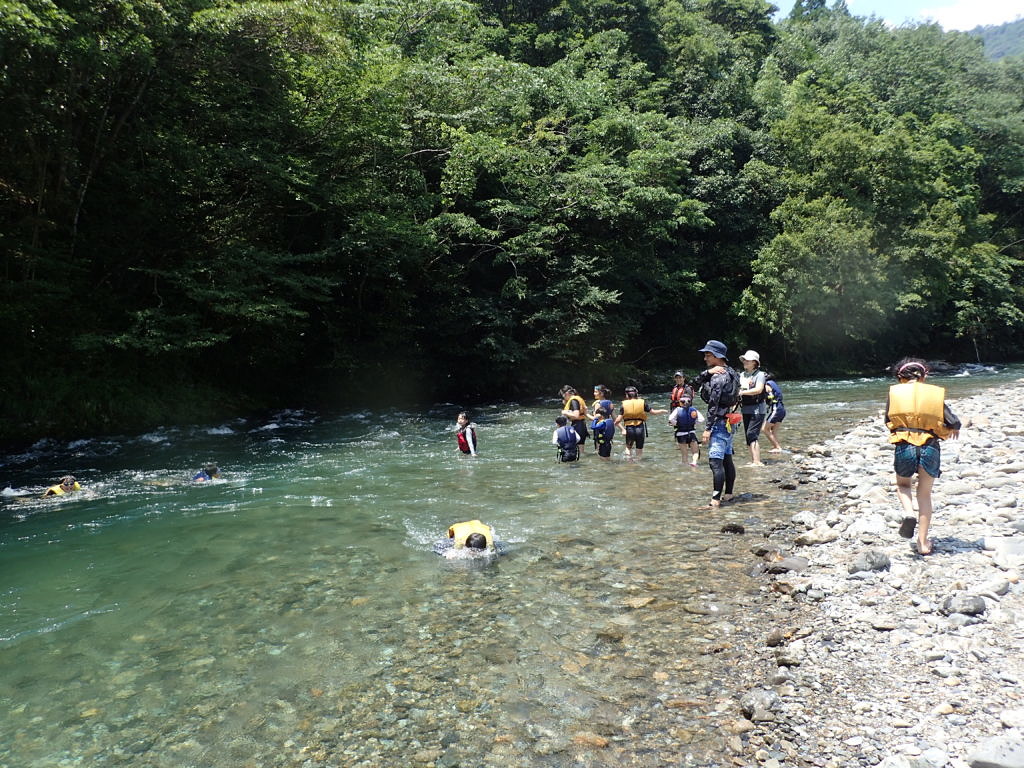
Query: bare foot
{"type": "Point", "coordinates": [713, 504]}
{"type": "Point", "coordinates": [756, 464]}
{"type": "Point", "coordinates": [774, 450]}
{"type": "Point", "coordinates": [924, 548]}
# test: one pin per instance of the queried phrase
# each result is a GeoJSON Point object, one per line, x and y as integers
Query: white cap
{"type": "Point", "coordinates": [751, 355]}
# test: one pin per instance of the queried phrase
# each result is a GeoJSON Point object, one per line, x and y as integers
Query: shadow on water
{"type": "Point", "coordinates": [294, 613]}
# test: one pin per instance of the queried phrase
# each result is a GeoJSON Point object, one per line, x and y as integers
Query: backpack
{"type": "Point", "coordinates": [730, 392]}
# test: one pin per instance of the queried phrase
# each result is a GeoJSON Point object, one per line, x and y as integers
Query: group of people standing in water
{"type": "Point", "coordinates": [916, 416]}
{"type": "Point", "coordinates": [751, 397]}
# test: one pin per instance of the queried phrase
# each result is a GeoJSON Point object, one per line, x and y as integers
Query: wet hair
{"type": "Point", "coordinates": [911, 368]}
{"type": "Point", "coordinates": [211, 469]}
{"type": "Point", "coordinates": [601, 412]}
{"type": "Point", "coordinates": [462, 415]}
{"type": "Point", "coordinates": [67, 480]}
{"type": "Point", "coordinates": [567, 390]}
{"type": "Point", "coordinates": [602, 389]}
{"type": "Point", "coordinates": [476, 541]}
{"type": "Point", "coordinates": [631, 391]}
{"type": "Point", "coordinates": [561, 421]}
{"type": "Point", "coordinates": [768, 376]}
{"type": "Point", "coordinates": [685, 402]}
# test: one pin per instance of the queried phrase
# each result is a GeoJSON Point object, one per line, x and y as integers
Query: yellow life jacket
{"type": "Point", "coordinates": [56, 490]}
{"type": "Point", "coordinates": [581, 407]}
{"type": "Point", "coordinates": [916, 413]}
{"type": "Point", "coordinates": [459, 532]}
{"type": "Point", "coordinates": [633, 412]}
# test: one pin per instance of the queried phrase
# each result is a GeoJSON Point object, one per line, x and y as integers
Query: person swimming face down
{"type": "Point", "coordinates": [476, 541]}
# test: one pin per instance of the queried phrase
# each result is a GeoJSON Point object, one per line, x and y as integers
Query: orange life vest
{"type": "Point", "coordinates": [916, 413]}
{"type": "Point", "coordinates": [633, 412]}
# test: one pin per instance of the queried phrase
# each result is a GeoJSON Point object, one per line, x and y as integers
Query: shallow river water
{"type": "Point", "coordinates": [293, 613]}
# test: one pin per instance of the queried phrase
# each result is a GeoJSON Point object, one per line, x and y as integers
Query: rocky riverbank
{"type": "Point", "coordinates": [871, 654]}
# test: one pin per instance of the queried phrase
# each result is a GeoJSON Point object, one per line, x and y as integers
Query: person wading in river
{"type": "Point", "coordinates": [719, 388]}
{"type": "Point", "coordinates": [918, 418]}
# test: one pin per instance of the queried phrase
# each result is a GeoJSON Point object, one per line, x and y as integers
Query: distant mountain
{"type": "Point", "coordinates": [1003, 40]}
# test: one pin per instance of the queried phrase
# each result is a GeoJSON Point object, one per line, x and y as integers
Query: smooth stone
{"type": "Point", "coordinates": [805, 519]}
{"type": "Point", "coordinates": [1012, 718]}
{"type": "Point", "coordinates": [872, 560]}
{"type": "Point", "coordinates": [1004, 545]}
{"type": "Point", "coordinates": [968, 605]}
{"type": "Point", "coordinates": [787, 564]}
{"type": "Point", "coordinates": [822, 534]}
{"type": "Point", "coordinates": [998, 752]}
{"type": "Point", "coordinates": [759, 700]}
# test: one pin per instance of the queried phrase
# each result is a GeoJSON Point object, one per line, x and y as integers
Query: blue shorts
{"type": "Point", "coordinates": [776, 414]}
{"type": "Point", "coordinates": [720, 444]}
{"type": "Point", "coordinates": [910, 458]}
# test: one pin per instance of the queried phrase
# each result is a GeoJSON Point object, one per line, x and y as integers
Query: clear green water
{"type": "Point", "coordinates": [294, 614]}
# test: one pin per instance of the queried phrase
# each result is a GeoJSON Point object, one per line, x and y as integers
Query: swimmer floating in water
{"type": "Point", "coordinates": [209, 472]}
{"type": "Point", "coordinates": [67, 485]}
{"type": "Point", "coordinates": [469, 539]}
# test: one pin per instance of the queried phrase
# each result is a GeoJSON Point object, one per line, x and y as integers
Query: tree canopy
{"type": "Point", "coordinates": [209, 205]}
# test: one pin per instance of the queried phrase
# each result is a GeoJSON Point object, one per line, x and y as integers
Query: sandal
{"type": "Point", "coordinates": [907, 527]}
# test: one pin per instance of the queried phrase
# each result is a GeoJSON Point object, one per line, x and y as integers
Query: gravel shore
{"type": "Point", "coordinates": [872, 655]}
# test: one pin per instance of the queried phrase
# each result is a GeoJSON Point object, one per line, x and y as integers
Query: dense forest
{"type": "Point", "coordinates": [211, 206]}
{"type": "Point", "coordinates": [1002, 40]}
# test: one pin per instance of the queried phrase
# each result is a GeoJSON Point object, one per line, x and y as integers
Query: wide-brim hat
{"type": "Point", "coordinates": [716, 348]}
{"type": "Point", "coordinates": [751, 355]}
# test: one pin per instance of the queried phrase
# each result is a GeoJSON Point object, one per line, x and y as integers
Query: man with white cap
{"type": "Point", "coordinates": [719, 387]}
{"type": "Point", "coordinates": [753, 397]}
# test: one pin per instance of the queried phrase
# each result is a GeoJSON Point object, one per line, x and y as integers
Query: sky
{"type": "Point", "coordinates": [950, 14]}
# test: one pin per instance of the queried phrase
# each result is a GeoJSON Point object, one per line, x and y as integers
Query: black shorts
{"type": "Point", "coordinates": [605, 449]}
{"type": "Point", "coordinates": [752, 423]}
{"type": "Point", "coordinates": [581, 428]}
{"type": "Point", "coordinates": [636, 435]}
{"type": "Point", "coordinates": [686, 437]}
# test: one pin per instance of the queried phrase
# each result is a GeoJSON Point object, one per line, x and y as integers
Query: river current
{"type": "Point", "coordinates": [292, 613]}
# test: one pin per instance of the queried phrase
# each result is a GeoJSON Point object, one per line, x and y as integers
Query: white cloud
{"type": "Point", "coordinates": [968, 14]}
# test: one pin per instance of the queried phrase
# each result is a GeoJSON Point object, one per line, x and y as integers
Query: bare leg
{"type": "Point", "coordinates": [924, 510]}
{"type": "Point", "coordinates": [771, 430]}
{"type": "Point", "coordinates": [904, 492]}
{"type": "Point", "coordinates": [755, 453]}
{"type": "Point", "coordinates": [694, 453]}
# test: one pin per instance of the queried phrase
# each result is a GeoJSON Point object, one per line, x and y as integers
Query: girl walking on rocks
{"type": "Point", "coordinates": [918, 418]}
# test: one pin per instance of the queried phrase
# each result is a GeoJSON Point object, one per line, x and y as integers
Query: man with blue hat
{"type": "Point", "coordinates": [719, 388]}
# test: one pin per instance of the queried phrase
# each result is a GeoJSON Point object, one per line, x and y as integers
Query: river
{"type": "Point", "coordinates": [292, 613]}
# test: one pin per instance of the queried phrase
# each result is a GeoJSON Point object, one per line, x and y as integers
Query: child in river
{"type": "Point", "coordinates": [776, 412]}
{"type": "Point", "coordinates": [685, 419]}
{"type": "Point", "coordinates": [604, 431]}
{"type": "Point", "coordinates": [567, 439]}
{"type": "Point", "coordinates": [465, 434]}
{"type": "Point", "coordinates": [67, 484]}
{"type": "Point", "coordinates": [469, 539]}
